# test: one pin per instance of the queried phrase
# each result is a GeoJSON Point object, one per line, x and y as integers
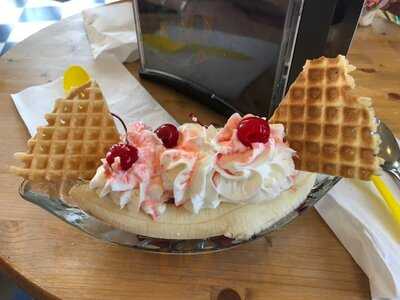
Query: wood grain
{"type": "Point", "coordinates": [54, 260]}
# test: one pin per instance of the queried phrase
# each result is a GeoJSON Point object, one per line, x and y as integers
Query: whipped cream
{"type": "Point", "coordinates": [206, 167]}
{"type": "Point", "coordinates": [187, 168]}
{"type": "Point", "coordinates": [251, 174]}
{"type": "Point", "coordinates": [142, 182]}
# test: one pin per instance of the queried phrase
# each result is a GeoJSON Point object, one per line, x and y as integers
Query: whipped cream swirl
{"type": "Point", "coordinates": [187, 168]}
{"type": "Point", "coordinates": [206, 167]}
{"type": "Point", "coordinates": [142, 182]}
{"type": "Point", "coordinates": [251, 174]}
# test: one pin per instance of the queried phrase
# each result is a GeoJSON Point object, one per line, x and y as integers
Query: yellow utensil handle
{"type": "Point", "coordinates": [387, 195]}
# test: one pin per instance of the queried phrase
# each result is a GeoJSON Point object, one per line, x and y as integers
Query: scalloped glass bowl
{"type": "Point", "coordinates": [46, 197]}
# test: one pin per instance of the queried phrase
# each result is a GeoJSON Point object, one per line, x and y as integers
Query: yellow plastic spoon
{"type": "Point", "coordinates": [392, 203]}
{"type": "Point", "coordinates": [75, 76]}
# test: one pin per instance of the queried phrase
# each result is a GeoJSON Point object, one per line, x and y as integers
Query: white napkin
{"type": "Point", "coordinates": [358, 216]}
{"type": "Point", "coordinates": [111, 29]}
{"type": "Point", "coordinates": [123, 93]}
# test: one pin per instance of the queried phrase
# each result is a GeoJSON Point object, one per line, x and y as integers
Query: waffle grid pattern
{"type": "Point", "coordinates": [78, 134]}
{"type": "Point", "coordinates": [331, 130]}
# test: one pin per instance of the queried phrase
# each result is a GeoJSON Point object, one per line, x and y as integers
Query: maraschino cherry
{"type": "Point", "coordinates": [253, 130]}
{"type": "Point", "coordinates": [128, 154]}
{"type": "Point", "coordinates": [168, 134]}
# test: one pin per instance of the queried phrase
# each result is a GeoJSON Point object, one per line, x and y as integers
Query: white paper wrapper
{"type": "Point", "coordinates": [123, 93]}
{"type": "Point", "coordinates": [356, 213]}
{"type": "Point", "coordinates": [111, 29]}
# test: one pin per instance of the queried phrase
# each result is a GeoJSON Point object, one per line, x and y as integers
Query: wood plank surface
{"type": "Point", "coordinates": [54, 260]}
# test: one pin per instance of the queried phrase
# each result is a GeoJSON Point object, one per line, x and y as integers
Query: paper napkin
{"type": "Point", "coordinates": [123, 93]}
{"type": "Point", "coordinates": [360, 219]}
{"type": "Point", "coordinates": [111, 29]}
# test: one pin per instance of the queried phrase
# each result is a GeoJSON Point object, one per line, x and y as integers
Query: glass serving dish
{"type": "Point", "coordinates": [47, 196]}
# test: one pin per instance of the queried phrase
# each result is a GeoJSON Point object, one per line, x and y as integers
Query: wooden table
{"type": "Point", "coordinates": [54, 260]}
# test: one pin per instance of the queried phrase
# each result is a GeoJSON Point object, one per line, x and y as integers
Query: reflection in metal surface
{"type": "Point", "coordinates": [233, 52]}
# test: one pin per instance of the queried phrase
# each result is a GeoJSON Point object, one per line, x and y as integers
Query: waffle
{"type": "Point", "coordinates": [78, 134]}
{"type": "Point", "coordinates": [331, 129]}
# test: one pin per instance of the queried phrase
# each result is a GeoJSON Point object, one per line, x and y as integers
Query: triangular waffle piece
{"type": "Point", "coordinates": [332, 130]}
{"type": "Point", "coordinates": [78, 134]}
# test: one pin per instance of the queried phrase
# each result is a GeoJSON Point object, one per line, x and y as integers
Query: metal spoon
{"type": "Point", "coordinates": [389, 151]}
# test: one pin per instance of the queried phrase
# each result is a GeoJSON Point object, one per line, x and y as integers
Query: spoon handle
{"type": "Point", "coordinates": [395, 174]}
{"type": "Point", "coordinates": [392, 203]}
